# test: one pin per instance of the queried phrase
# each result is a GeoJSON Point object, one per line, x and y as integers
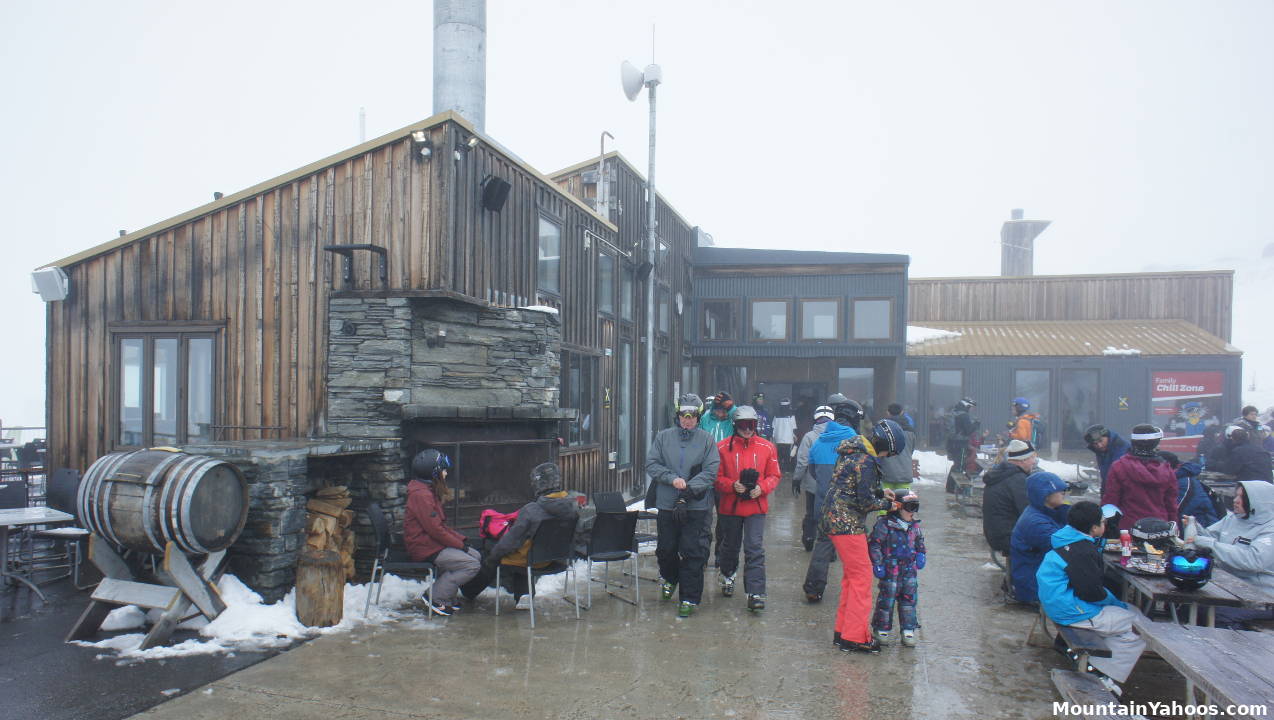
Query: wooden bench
{"type": "Point", "coordinates": [1082, 644]}
{"type": "Point", "coordinates": [1081, 688]}
{"type": "Point", "coordinates": [1230, 667]}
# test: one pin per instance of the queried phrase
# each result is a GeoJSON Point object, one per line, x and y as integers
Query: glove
{"type": "Point", "coordinates": [793, 453]}
{"type": "Point", "coordinates": [680, 512]}
{"type": "Point", "coordinates": [878, 571]}
{"type": "Point", "coordinates": [920, 561]}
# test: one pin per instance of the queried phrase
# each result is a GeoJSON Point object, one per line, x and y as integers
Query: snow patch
{"type": "Point", "coordinates": [1111, 350]}
{"type": "Point", "coordinates": [917, 334]}
{"type": "Point", "coordinates": [540, 308]}
{"type": "Point", "coordinates": [128, 617]}
{"type": "Point", "coordinates": [931, 463]}
{"type": "Point", "coordinates": [990, 566]}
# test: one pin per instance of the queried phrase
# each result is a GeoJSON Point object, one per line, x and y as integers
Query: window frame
{"type": "Point", "coordinates": [734, 304]}
{"type": "Point", "coordinates": [588, 384]}
{"type": "Point", "coordinates": [148, 333]}
{"type": "Point", "coordinates": [853, 323]}
{"type": "Point", "coordinates": [546, 216]}
{"type": "Point", "coordinates": [1048, 394]}
{"type": "Point", "coordinates": [602, 297]}
{"type": "Point", "coordinates": [787, 323]}
{"type": "Point", "coordinates": [837, 325]}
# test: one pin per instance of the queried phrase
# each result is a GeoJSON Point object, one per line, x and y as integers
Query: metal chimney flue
{"type": "Point", "coordinates": [1017, 244]}
{"type": "Point", "coordinates": [460, 59]}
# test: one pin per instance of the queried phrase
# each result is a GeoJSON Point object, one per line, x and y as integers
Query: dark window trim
{"type": "Point", "coordinates": [800, 318]}
{"type": "Point", "coordinates": [552, 217]}
{"type": "Point", "coordinates": [615, 282]}
{"type": "Point", "coordinates": [890, 324]}
{"type": "Point", "coordinates": [148, 332]}
{"type": "Point", "coordinates": [703, 319]}
{"type": "Point", "coordinates": [663, 290]}
{"type": "Point", "coordinates": [787, 326]}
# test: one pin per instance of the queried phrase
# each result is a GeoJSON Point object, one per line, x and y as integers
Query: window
{"type": "Point", "coordinates": [165, 387]}
{"type": "Point", "coordinates": [1080, 406]}
{"type": "Point", "coordinates": [578, 373]}
{"type": "Point", "coordinates": [873, 319]}
{"type": "Point", "coordinates": [911, 391]}
{"type": "Point", "coordinates": [662, 309]}
{"type": "Point", "coordinates": [820, 319]}
{"type": "Point", "coordinates": [857, 383]}
{"type": "Point", "coordinates": [1034, 386]}
{"type": "Point", "coordinates": [549, 268]}
{"type": "Point", "coordinates": [729, 378]}
{"type": "Point", "coordinates": [720, 321]}
{"type": "Point", "coordinates": [662, 259]}
{"type": "Point", "coordinates": [769, 320]}
{"type": "Point", "coordinates": [624, 449]}
{"type": "Point", "coordinates": [606, 283]}
{"type": "Point", "coordinates": [946, 387]}
{"type": "Point", "coordinates": [626, 284]}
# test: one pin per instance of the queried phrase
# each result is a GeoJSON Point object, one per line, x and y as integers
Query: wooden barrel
{"type": "Point", "coordinates": [142, 500]}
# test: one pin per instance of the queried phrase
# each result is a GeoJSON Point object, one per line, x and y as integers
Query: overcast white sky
{"type": "Point", "coordinates": [1142, 128]}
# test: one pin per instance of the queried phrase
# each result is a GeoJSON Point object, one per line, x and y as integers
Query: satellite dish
{"type": "Point", "coordinates": [632, 79]}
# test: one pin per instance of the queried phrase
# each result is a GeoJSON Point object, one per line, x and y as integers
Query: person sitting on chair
{"type": "Point", "coordinates": [427, 537]}
{"type": "Point", "coordinates": [1071, 592]}
{"type": "Point", "coordinates": [551, 501]}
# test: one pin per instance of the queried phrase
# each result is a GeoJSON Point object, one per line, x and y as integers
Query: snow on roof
{"type": "Point", "coordinates": [1111, 350]}
{"type": "Point", "coordinates": [540, 308]}
{"type": "Point", "coordinates": [918, 334]}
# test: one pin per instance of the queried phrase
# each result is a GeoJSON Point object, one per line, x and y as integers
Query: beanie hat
{"type": "Point", "coordinates": [545, 478]}
{"type": "Point", "coordinates": [1020, 450]}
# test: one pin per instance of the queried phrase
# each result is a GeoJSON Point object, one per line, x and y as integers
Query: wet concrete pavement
{"type": "Point", "coordinates": [972, 660]}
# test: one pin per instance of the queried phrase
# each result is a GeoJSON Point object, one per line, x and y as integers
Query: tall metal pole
{"type": "Point", "coordinates": [650, 279]}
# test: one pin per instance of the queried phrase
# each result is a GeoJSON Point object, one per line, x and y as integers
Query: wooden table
{"type": "Point", "coordinates": [19, 517]}
{"type": "Point", "coordinates": [1231, 667]}
{"type": "Point", "coordinates": [1144, 591]}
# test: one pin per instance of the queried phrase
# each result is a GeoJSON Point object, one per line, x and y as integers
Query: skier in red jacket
{"type": "Point", "coordinates": [748, 473]}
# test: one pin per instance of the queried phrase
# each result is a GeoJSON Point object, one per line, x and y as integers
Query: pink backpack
{"type": "Point", "coordinates": [492, 524]}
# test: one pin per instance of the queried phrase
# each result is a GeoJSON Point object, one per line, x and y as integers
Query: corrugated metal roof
{"type": "Point", "coordinates": [1071, 339]}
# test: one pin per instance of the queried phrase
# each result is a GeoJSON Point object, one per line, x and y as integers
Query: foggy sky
{"type": "Point", "coordinates": [1140, 128]}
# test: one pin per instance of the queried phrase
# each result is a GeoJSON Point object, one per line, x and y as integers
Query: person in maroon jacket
{"type": "Point", "coordinates": [748, 473]}
{"type": "Point", "coordinates": [427, 537]}
{"type": "Point", "coordinates": [1142, 484]}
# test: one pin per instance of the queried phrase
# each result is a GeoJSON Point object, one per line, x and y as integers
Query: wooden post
{"type": "Point", "coordinates": [320, 588]}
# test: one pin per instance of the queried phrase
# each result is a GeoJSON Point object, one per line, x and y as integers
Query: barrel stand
{"type": "Point", "coordinates": [183, 586]}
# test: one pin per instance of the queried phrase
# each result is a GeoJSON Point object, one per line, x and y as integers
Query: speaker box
{"type": "Point", "coordinates": [495, 191]}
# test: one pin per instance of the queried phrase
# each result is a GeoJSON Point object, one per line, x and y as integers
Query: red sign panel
{"type": "Point", "coordinates": [1185, 404]}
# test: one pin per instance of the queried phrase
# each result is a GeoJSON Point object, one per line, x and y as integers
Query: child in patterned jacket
{"type": "Point", "coordinates": [897, 549]}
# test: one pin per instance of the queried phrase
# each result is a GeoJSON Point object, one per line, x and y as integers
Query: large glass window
{"type": "Point", "coordinates": [626, 290]}
{"type": "Point", "coordinates": [720, 321]}
{"type": "Point", "coordinates": [857, 383]}
{"type": "Point", "coordinates": [1033, 385]}
{"type": "Point", "coordinates": [1078, 394]}
{"type": "Point", "coordinates": [549, 268]}
{"type": "Point", "coordinates": [578, 373]}
{"type": "Point", "coordinates": [872, 319]}
{"type": "Point", "coordinates": [661, 299]}
{"type": "Point", "coordinates": [606, 283]}
{"type": "Point", "coordinates": [946, 387]}
{"type": "Point", "coordinates": [166, 387]}
{"type": "Point", "coordinates": [729, 378]}
{"type": "Point", "coordinates": [911, 392]}
{"type": "Point", "coordinates": [820, 319]}
{"type": "Point", "coordinates": [769, 320]}
{"type": "Point", "coordinates": [624, 447]}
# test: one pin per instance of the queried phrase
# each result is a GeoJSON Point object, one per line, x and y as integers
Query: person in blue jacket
{"type": "Point", "coordinates": [846, 415]}
{"type": "Point", "coordinates": [1107, 445]}
{"type": "Point", "coordinates": [1033, 531]}
{"type": "Point", "coordinates": [1192, 497]}
{"type": "Point", "coordinates": [1071, 592]}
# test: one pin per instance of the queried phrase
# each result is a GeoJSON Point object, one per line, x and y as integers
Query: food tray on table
{"type": "Point", "coordinates": [1143, 566]}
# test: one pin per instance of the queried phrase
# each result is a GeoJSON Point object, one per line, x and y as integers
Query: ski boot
{"type": "Point", "coordinates": [756, 603]}
{"type": "Point", "coordinates": [685, 609]}
{"type": "Point", "coordinates": [909, 638]}
{"type": "Point", "coordinates": [727, 585]}
{"type": "Point", "coordinates": [665, 590]}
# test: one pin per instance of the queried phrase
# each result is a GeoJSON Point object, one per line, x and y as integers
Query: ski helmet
{"type": "Point", "coordinates": [1158, 533]}
{"type": "Point", "coordinates": [1145, 440]}
{"type": "Point", "coordinates": [1189, 569]}
{"type": "Point", "coordinates": [429, 464]}
{"type": "Point", "coordinates": [1021, 404]}
{"type": "Point", "coordinates": [690, 403]}
{"type": "Point", "coordinates": [888, 438]}
{"type": "Point", "coordinates": [823, 412]}
{"type": "Point", "coordinates": [745, 414]}
{"type": "Point", "coordinates": [844, 410]}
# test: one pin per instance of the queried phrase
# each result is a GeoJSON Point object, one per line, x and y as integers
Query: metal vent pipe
{"type": "Point", "coordinates": [460, 59]}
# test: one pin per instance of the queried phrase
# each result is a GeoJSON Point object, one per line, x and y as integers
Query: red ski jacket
{"type": "Point", "coordinates": [738, 454]}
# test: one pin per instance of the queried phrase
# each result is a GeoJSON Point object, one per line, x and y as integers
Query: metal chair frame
{"type": "Point", "coordinates": [382, 563]}
{"type": "Point", "coordinates": [554, 541]}
{"type": "Point", "coordinates": [614, 533]}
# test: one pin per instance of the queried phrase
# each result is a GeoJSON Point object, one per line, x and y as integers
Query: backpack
{"type": "Point", "coordinates": [1039, 434]}
{"type": "Point", "coordinates": [492, 524]}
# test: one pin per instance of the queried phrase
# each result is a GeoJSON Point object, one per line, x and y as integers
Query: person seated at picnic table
{"type": "Point", "coordinates": [1242, 543]}
{"type": "Point", "coordinates": [1140, 483]}
{"type": "Point", "coordinates": [1192, 496]}
{"type": "Point", "coordinates": [513, 547]}
{"type": "Point", "coordinates": [1072, 594]}
{"type": "Point", "coordinates": [1032, 535]}
{"type": "Point", "coordinates": [1004, 495]}
{"type": "Point", "coordinates": [1242, 459]}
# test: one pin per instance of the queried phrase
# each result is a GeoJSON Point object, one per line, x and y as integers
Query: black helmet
{"type": "Point", "coordinates": [1155, 531]}
{"type": "Point", "coordinates": [1145, 440]}
{"type": "Point", "coordinates": [1094, 433]}
{"type": "Point", "coordinates": [1189, 569]}
{"type": "Point", "coordinates": [428, 464]}
{"type": "Point", "coordinates": [888, 438]}
{"type": "Point", "coordinates": [844, 410]}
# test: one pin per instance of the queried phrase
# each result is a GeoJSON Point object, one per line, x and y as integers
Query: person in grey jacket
{"type": "Point", "coordinates": [682, 465]}
{"type": "Point", "coordinates": [551, 501]}
{"type": "Point", "coordinates": [803, 475]}
{"type": "Point", "coordinates": [1243, 543]}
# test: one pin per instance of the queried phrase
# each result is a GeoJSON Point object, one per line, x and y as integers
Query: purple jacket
{"type": "Point", "coordinates": [1141, 488]}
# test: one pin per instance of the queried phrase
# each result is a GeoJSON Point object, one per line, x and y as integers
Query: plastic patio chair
{"type": "Point", "coordinates": [612, 541]}
{"type": "Point", "coordinates": [392, 558]}
{"type": "Point", "coordinates": [553, 542]}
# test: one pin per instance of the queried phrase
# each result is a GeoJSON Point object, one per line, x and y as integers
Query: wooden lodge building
{"type": "Point", "coordinates": [427, 288]}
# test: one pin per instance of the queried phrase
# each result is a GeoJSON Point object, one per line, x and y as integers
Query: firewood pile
{"type": "Point", "coordinates": [329, 525]}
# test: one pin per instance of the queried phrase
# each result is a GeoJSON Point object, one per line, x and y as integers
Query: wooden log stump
{"type": "Point", "coordinates": [320, 588]}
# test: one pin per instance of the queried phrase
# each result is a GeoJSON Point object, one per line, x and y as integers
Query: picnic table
{"type": "Point", "coordinates": [1232, 667]}
{"type": "Point", "coordinates": [1219, 485]}
{"type": "Point", "coordinates": [1224, 589]}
